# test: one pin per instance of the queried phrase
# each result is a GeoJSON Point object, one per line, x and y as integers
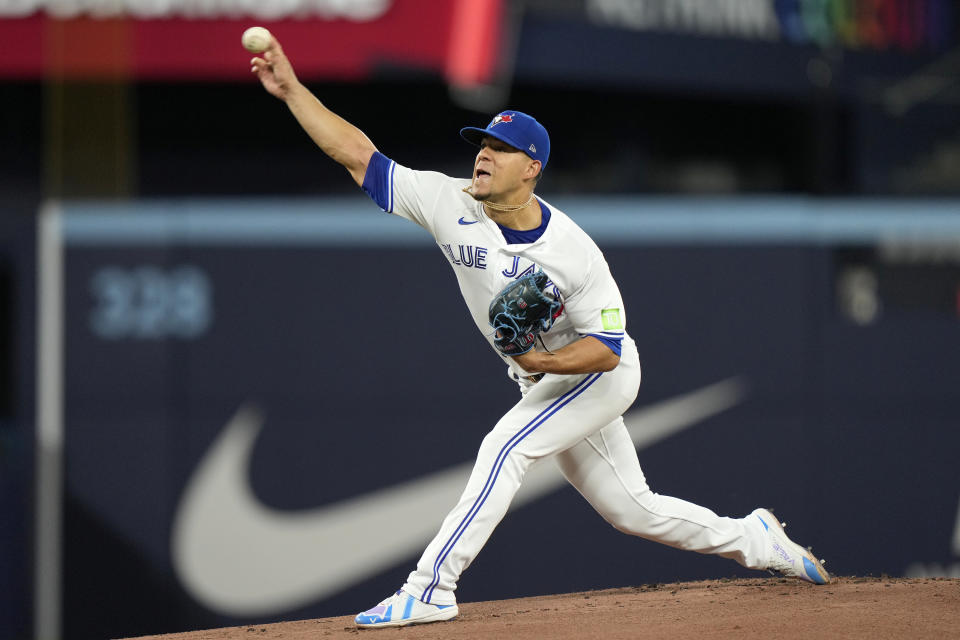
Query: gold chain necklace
{"type": "Point", "coordinates": [505, 208]}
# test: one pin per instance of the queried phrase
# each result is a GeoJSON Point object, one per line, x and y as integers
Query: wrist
{"type": "Point", "coordinates": [295, 92]}
{"type": "Point", "coordinates": [532, 361]}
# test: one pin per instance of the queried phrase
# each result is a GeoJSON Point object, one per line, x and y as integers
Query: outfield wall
{"type": "Point", "coordinates": [246, 382]}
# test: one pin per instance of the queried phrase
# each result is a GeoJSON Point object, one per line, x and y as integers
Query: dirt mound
{"type": "Point", "coordinates": [850, 607]}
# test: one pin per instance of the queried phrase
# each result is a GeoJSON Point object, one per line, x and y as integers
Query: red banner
{"type": "Point", "coordinates": [457, 38]}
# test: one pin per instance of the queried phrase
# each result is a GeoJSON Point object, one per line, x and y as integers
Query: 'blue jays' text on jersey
{"type": "Point", "coordinates": [485, 256]}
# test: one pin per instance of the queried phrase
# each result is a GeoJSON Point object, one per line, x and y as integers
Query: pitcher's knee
{"type": "Point", "coordinates": [634, 516]}
{"type": "Point", "coordinates": [489, 447]}
{"type": "Point", "coordinates": [503, 453]}
{"type": "Point", "coordinates": [632, 525]}
{"type": "Point", "coordinates": [625, 518]}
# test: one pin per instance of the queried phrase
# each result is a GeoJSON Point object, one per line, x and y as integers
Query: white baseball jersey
{"type": "Point", "coordinates": [574, 419]}
{"type": "Point", "coordinates": [484, 261]}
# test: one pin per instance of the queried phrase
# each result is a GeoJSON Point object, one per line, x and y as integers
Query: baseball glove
{"type": "Point", "coordinates": [520, 312]}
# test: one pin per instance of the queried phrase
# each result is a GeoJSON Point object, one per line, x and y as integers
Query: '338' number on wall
{"type": "Point", "coordinates": [150, 302]}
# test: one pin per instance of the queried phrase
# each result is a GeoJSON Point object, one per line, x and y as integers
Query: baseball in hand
{"type": "Point", "coordinates": [256, 39]}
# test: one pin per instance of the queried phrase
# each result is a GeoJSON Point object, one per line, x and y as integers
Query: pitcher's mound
{"type": "Point", "coordinates": [850, 607]}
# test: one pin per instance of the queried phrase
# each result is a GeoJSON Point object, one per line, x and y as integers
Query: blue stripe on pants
{"type": "Point", "coordinates": [529, 428]}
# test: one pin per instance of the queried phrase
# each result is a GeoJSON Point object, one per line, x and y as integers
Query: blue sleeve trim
{"type": "Point", "coordinates": [612, 343]}
{"type": "Point", "coordinates": [378, 180]}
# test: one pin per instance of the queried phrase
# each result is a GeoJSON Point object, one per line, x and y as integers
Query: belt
{"type": "Point", "coordinates": [535, 378]}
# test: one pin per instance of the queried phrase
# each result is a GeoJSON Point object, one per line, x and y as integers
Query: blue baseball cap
{"type": "Point", "coordinates": [516, 129]}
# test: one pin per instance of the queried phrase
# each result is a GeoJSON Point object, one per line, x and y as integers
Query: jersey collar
{"type": "Point", "coordinates": [512, 236]}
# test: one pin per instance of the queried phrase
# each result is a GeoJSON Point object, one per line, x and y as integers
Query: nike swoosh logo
{"type": "Point", "coordinates": [237, 556]}
{"type": "Point", "coordinates": [462, 221]}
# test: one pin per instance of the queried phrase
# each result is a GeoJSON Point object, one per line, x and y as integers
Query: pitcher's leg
{"type": "Point", "coordinates": [493, 482]}
{"type": "Point", "coordinates": [556, 413]}
{"type": "Point", "coordinates": [604, 468]}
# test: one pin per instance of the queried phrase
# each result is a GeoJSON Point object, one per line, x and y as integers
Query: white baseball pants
{"type": "Point", "coordinates": [578, 420]}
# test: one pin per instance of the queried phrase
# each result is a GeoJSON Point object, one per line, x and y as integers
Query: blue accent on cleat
{"type": "Point", "coordinates": [812, 573]}
{"type": "Point", "coordinates": [402, 609]}
{"type": "Point", "coordinates": [766, 528]}
{"type": "Point", "coordinates": [375, 616]}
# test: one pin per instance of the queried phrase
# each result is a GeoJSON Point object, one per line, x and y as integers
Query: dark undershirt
{"type": "Point", "coordinates": [512, 236]}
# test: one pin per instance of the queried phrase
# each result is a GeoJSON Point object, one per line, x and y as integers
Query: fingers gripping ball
{"type": "Point", "coordinates": [256, 39]}
{"type": "Point", "coordinates": [520, 312]}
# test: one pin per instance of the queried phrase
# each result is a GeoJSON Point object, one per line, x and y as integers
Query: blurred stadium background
{"type": "Point", "coordinates": [776, 184]}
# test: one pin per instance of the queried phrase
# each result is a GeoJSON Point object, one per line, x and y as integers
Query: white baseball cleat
{"type": "Point", "coordinates": [786, 556]}
{"type": "Point", "coordinates": [402, 609]}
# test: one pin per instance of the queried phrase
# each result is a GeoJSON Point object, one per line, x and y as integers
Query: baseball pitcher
{"type": "Point", "coordinates": [542, 295]}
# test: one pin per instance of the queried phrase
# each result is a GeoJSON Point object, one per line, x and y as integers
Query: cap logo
{"type": "Point", "coordinates": [503, 117]}
{"type": "Point", "coordinates": [533, 148]}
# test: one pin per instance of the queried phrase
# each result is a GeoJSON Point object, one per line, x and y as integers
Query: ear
{"type": "Point", "coordinates": [533, 168]}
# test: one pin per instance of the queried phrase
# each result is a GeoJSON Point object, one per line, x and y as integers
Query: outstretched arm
{"type": "Point", "coordinates": [335, 136]}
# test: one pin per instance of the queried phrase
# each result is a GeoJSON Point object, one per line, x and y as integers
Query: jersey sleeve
{"type": "Point", "coordinates": [405, 192]}
{"type": "Point", "coordinates": [596, 307]}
